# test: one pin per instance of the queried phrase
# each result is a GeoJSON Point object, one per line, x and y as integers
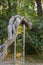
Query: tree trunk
{"type": "Point", "coordinates": [15, 6]}
{"type": "Point", "coordinates": [9, 5]}
{"type": "Point", "coordinates": [15, 21]}
{"type": "Point", "coordinates": [39, 7]}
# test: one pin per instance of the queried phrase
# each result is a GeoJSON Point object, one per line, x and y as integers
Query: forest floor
{"type": "Point", "coordinates": [30, 60]}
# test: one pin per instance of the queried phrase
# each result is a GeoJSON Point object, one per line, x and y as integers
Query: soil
{"type": "Point", "coordinates": [31, 61]}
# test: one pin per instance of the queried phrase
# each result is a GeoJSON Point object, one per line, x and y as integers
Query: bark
{"type": "Point", "coordinates": [9, 5]}
{"type": "Point", "coordinates": [39, 7]}
{"type": "Point", "coordinates": [17, 20]}
{"type": "Point", "coordinates": [15, 6]}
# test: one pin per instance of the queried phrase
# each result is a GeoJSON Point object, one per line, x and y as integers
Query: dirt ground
{"type": "Point", "coordinates": [30, 61]}
{"type": "Point", "coordinates": [18, 63]}
{"type": "Point", "coordinates": [11, 62]}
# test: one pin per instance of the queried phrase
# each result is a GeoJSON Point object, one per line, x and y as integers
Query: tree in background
{"type": "Point", "coordinates": [9, 8]}
{"type": "Point", "coordinates": [39, 7]}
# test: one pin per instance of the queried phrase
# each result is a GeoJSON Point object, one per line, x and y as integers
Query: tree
{"type": "Point", "coordinates": [39, 7]}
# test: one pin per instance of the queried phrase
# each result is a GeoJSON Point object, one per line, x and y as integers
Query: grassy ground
{"type": "Point", "coordinates": [34, 58]}
{"type": "Point", "coordinates": [30, 60]}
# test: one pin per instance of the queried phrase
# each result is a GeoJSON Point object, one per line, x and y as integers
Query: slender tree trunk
{"type": "Point", "coordinates": [15, 6]}
{"type": "Point", "coordinates": [10, 8]}
{"type": "Point", "coordinates": [9, 5]}
{"type": "Point", "coordinates": [39, 7]}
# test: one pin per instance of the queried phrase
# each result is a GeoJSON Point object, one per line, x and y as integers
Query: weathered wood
{"type": "Point", "coordinates": [15, 52]}
{"type": "Point", "coordinates": [23, 58]}
{"type": "Point", "coordinates": [14, 22]}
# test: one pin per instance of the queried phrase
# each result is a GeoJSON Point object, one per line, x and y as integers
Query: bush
{"type": "Point", "coordinates": [34, 38]}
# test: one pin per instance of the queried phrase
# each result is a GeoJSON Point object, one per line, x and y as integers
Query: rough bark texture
{"type": "Point", "coordinates": [39, 7]}
{"type": "Point", "coordinates": [14, 22]}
